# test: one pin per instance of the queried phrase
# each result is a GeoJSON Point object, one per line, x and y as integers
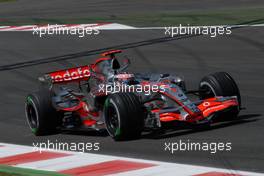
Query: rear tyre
{"type": "Point", "coordinates": [220, 84]}
{"type": "Point", "coordinates": [41, 116]}
{"type": "Point", "coordinates": [124, 117]}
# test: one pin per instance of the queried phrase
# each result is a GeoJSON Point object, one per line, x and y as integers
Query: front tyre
{"type": "Point", "coordinates": [123, 115]}
{"type": "Point", "coordinates": [42, 118]}
{"type": "Point", "coordinates": [220, 84]}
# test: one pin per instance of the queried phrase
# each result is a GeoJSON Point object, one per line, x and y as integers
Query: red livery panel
{"type": "Point", "coordinates": [72, 74]}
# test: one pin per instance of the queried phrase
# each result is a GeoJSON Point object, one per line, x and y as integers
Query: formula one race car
{"type": "Point", "coordinates": [103, 96]}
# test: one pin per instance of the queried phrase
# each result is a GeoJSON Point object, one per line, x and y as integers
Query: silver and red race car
{"type": "Point", "coordinates": [104, 96]}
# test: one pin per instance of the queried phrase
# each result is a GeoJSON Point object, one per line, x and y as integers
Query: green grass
{"type": "Point", "coordinates": [230, 16]}
{"type": "Point", "coordinates": [15, 171]}
{"type": "Point", "coordinates": [7, 1]}
{"type": "Point", "coordinates": [9, 174]}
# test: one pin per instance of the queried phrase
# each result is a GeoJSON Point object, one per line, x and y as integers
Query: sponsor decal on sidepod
{"type": "Point", "coordinates": [79, 73]}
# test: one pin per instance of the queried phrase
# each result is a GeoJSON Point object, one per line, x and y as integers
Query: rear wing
{"type": "Point", "coordinates": [68, 75]}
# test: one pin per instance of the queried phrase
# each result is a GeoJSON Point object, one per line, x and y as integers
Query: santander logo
{"type": "Point", "coordinates": [72, 74]}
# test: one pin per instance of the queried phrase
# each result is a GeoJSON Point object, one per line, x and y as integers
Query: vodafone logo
{"type": "Point", "coordinates": [72, 74]}
{"type": "Point", "coordinates": [124, 76]}
{"type": "Point", "coordinates": [206, 104]}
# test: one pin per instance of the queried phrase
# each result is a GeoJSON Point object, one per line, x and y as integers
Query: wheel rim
{"type": "Point", "coordinates": [206, 92]}
{"type": "Point", "coordinates": [32, 116]}
{"type": "Point", "coordinates": [112, 121]}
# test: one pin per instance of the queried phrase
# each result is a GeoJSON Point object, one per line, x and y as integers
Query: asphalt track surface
{"type": "Point", "coordinates": [241, 54]}
{"type": "Point", "coordinates": [36, 9]}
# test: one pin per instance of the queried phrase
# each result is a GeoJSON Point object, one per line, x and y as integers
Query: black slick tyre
{"type": "Point", "coordinates": [42, 118]}
{"type": "Point", "coordinates": [123, 116]}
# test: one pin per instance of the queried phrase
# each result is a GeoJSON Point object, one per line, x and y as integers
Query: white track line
{"type": "Point", "coordinates": [84, 159]}
{"type": "Point", "coordinates": [100, 26]}
{"type": "Point", "coordinates": [10, 150]}
{"type": "Point", "coordinates": [64, 163]}
{"type": "Point", "coordinates": [232, 26]}
{"type": "Point", "coordinates": [106, 26]}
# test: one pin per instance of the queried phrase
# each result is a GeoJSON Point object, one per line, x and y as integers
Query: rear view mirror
{"type": "Point", "coordinates": [115, 64]}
